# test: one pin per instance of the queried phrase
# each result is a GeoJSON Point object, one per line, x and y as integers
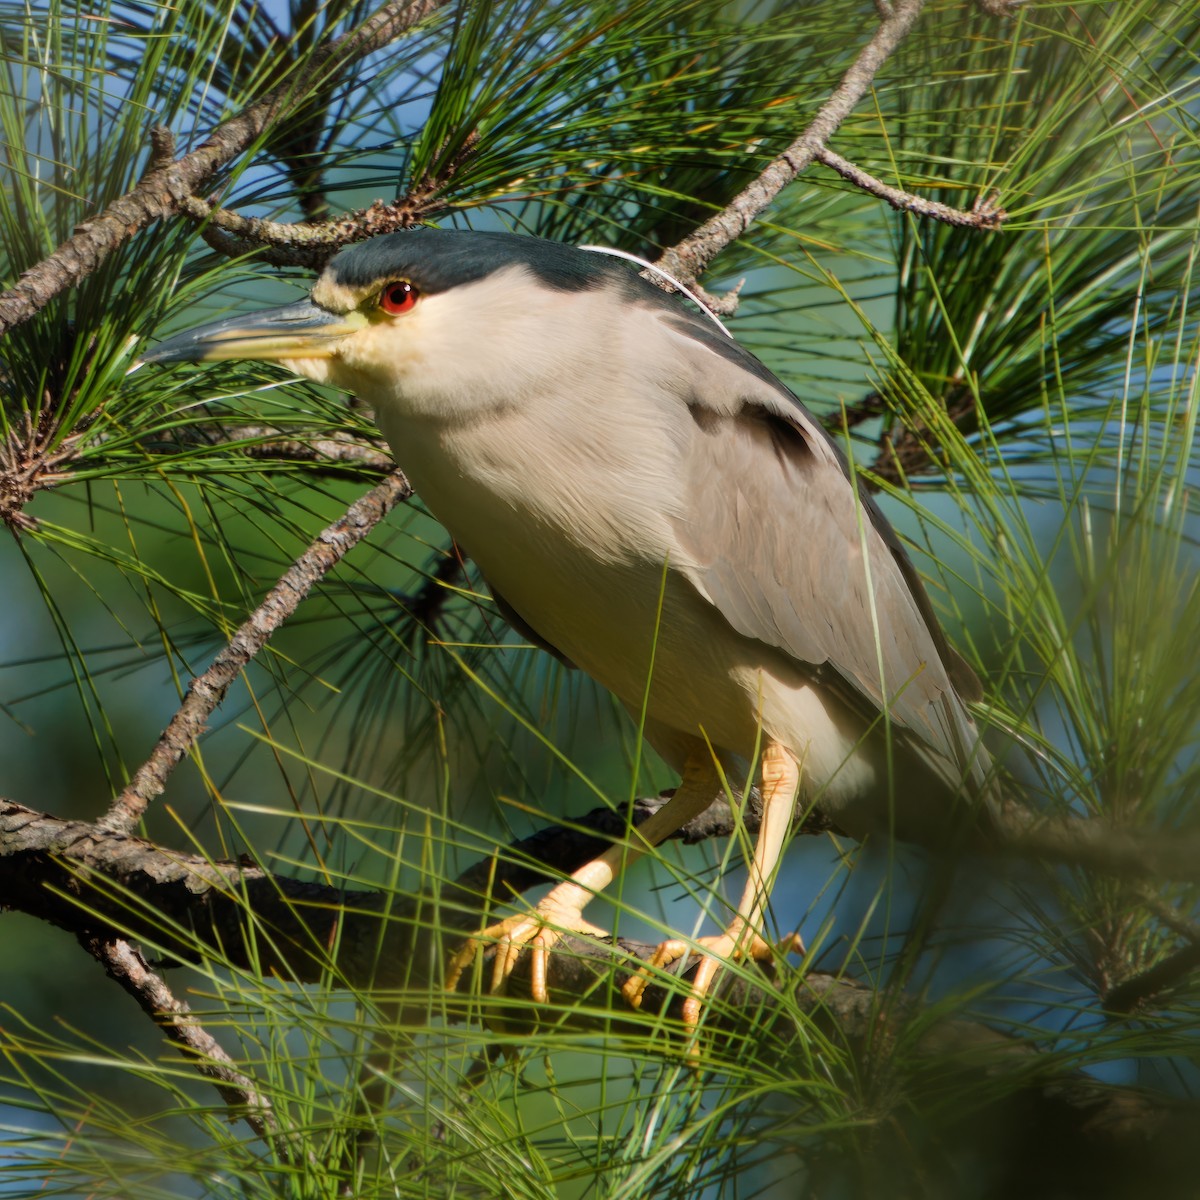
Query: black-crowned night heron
{"type": "Point", "coordinates": [648, 501]}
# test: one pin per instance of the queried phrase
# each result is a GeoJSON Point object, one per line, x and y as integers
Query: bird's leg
{"type": "Point", "coordinates": [561, 911]}
{"type": "Point", "coordinates": [743, 937]}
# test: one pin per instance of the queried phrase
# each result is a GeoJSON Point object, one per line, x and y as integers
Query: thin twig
{"type": "Point", "coordinates": [312, 243]}
{"type": "Point", "coordinates": [283, 233]}
{"type": "Point", "coordinates": [162, 150]}
{"type": "Point", "coordinates": [240, 1093]}
{"type": "Point", "coordinates": [207, 691]}
{"type": "Point", "coordinates": [724, 305]}
{"type": "Point", "coordinates": [688, 259]}
{"type": "Point", "coordinates": [1132, 993]}
{"type": "Point", "coordinates": [986, 214]}
{"type": "Point", "coordinates": [271, 442]}
{"type": "Point", "coordinates": [164, 188]}
{"type": "Point", "coordinates": [302, 243]}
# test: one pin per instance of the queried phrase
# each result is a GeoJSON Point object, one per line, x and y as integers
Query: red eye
{"type": "Point", "coordinates": [399, 298]}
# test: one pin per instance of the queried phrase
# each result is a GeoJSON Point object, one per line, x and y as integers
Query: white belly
{"type": "Point", "coordinates": [588, 575]}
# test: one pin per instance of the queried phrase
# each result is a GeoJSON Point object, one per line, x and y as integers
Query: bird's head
{"type": "Point", "coordinates": [432, 321]}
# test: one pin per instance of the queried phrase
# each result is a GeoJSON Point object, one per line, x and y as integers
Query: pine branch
{"type": "Point", "coordinates": [206, 691]}
{"type": "Point", "coordinates": [126, 966]}
{"type": "Point", "coordinates": [166, 187]}
{"type": "Point", "coordinates": [311, 244]}
{"type": "Point", "coordinates": [688, 259]}
{"type": "Point", "coordinates": [107, 888]}
{"type": "Point", "coordinates": [271, 442]}
{"type": "Point", "coordinates": [986, 214]}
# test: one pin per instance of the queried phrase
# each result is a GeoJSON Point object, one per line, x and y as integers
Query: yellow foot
{"type": "Point", "coordinates": [538, 930]}
{"type": "Point", "coordinates": [717, 952]}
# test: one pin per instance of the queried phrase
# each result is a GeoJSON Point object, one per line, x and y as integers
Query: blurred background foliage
{"type": "Point", "coordinates": [1026, 402]}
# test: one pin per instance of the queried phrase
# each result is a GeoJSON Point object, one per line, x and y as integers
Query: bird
{"type": "Point", "coordinates": [652, 505]}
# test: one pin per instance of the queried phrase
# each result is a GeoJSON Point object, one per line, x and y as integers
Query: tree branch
{"type": "Point", "coordinates": [97, 883]}
{"type": "Point", "coordinates": [273, 442]}
{"type": "Point", "coordinates": [300, 243]}
{"type": "Point", "coordinates": [688, 259]}
{"type": "Point", "coordinates": [241, 1095]}
{"type": "Point", "coordinates": [986, 214]}
{"type": "Point", "coordinates": [311, 244]}
{"type": "Point", "coordinates": [206, 691]}
{"type": "Point", "coordinates": [164, 188]}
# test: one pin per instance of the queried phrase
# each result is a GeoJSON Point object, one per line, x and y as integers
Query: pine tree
{"type": "Point", "coordinates": [964, 233]}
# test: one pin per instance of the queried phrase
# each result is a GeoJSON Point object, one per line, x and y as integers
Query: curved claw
{"type": "Point", "coordinates": [717, 951]}
{"type": "Point", "coordinates": [664, 955]}
{"type": "Point", "coordinates": [539, 930]}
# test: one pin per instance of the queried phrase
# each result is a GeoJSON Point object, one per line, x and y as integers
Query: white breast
{"type": "Point", "coordinates": [575, 545]}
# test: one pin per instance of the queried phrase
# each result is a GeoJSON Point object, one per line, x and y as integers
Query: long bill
{"type": "Point", "coordinates": [294, 331]}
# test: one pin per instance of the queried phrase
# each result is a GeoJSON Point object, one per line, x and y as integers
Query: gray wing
{"type": "Point", "coordinates": [776, 535]}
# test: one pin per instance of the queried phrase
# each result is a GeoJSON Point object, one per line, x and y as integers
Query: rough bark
{"type": "Point", "coordinates": [109, 888]}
